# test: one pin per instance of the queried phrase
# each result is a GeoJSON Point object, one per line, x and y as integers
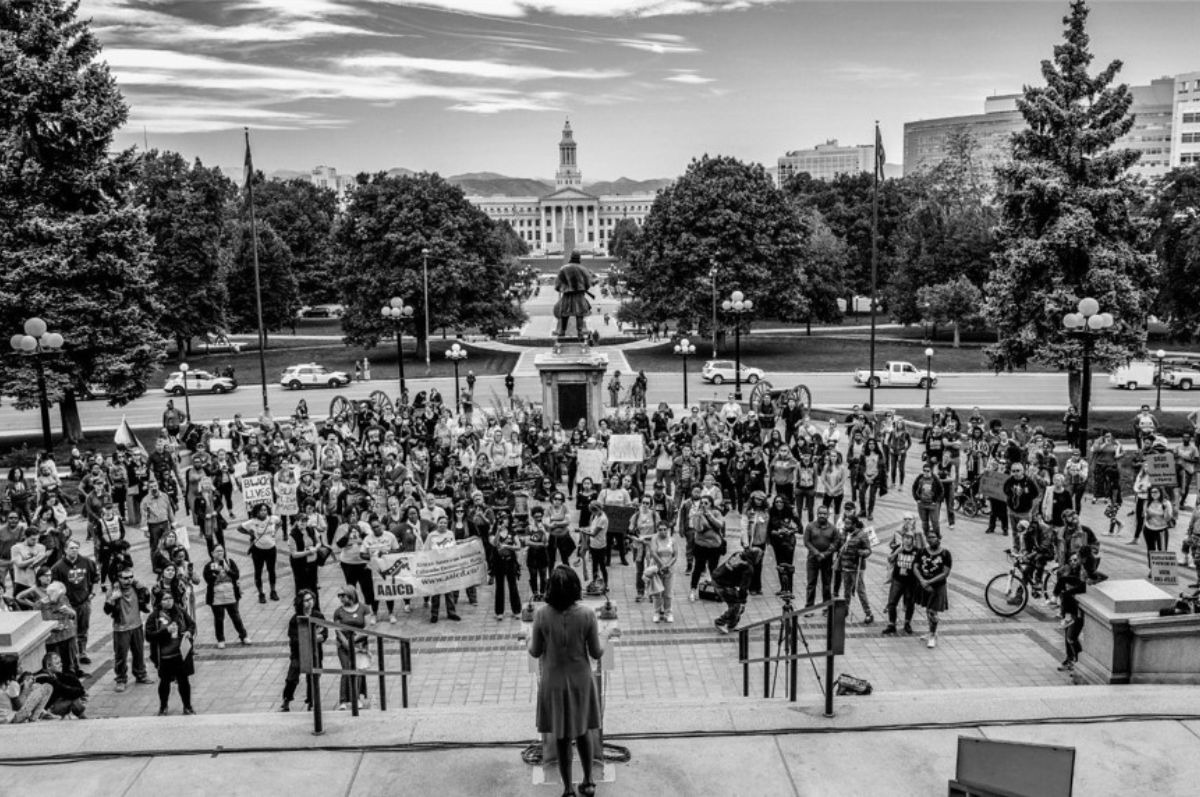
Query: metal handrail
{"type": "Point", "coordinates": [308, 648]}
{"type": "Point", "coordinates": [788, 648]}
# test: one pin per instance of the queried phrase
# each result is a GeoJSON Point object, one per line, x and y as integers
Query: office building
{"type": "Point", "coordinates": [826, 161]}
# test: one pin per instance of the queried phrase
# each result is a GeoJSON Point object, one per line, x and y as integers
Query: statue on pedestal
{"type": "Point", "coordinates": [573, 285]}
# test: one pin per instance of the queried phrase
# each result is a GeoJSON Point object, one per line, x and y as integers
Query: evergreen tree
{"type": "Point", "coordinates": [1070, 218]}
{"type": "Point", "coordinates": [378, 245]}
{"type": "Point", "coordinates": [186, 211]}
{"type": "Point", "coordinates": [722, 217]}
{"type": "Point", "coordinates": [73, 248]}
{"type": "Point", "coordinates": [624, 239]}
{"type": "Point", "coordinates": [280, 289]}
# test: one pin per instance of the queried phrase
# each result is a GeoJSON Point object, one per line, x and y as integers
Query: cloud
{"type": "Point", "coordinates": [689, 77]}
{"type": "Point", "coordinates": [167, 115]}
{"type": "Point", "coordinates": [588, 8]}
{"type": "Point", "coordinates": [542, 101]}
{"type": "Point", "coordinates": [657, 45]}
{"type": "Point", "coordinates": [875, 74]}
{"type": "Point", "coordinates": [491, 70]}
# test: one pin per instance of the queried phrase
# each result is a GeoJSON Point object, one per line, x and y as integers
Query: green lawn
{"type": "Point", "coordinates": [341, 357]}
{"type": "Point", "coordinates": [816, 353]}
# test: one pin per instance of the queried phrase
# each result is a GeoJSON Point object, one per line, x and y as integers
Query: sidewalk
{"type": "Point", "coordinates": [1127, 740]}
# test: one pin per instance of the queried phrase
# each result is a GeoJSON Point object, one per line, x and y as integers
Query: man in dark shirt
{"type": "Point", "coordinates": [927, 492]}
{"type": "Point", "coordinates": [1021, 493]}
{"type": "Point", "coordinates": [80, 576]}
{"type": "Point", "coordinates": [821, 538]}
{"type": "Point", "coordinates": [732, 579]}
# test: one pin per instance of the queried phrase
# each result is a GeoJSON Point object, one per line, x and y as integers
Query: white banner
{"type": "Point", "coordinates": [433, 572]}
{"type": "Point", "coordinates": [590, 465]}
{"type": "Point", "coordinates": [256, 490]}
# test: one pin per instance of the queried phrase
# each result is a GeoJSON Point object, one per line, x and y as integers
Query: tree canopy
{"type": "Point", "coordinates": [73, 248]}
{"type": "Point", "coordinates": [302, 214]}
{"type": "Point", "coordinates": [1176, 213]}
{"type": "Point", "coordinates": [378, 244]}
{"type": "Point", "coordinates": [1070, 216]}
{"type": "Point", "coordinates": [723, 218]}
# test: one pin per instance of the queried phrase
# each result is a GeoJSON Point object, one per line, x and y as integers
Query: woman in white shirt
{"type": "Point", "coordinates": [263, 530]}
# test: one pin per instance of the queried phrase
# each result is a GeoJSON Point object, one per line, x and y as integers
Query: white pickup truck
{"type": "Point", "coordinates": [896, 374]}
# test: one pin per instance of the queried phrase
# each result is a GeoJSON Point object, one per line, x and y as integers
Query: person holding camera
{"type": "Point", "coordinates": [171, 634]}
{"type": "Point", "coordinates": [222, 594]}
{"type": "Point", "coordinates": [708, 528]}
{"type": "Point", "coordinates": [126, 603]}
{"type": "Point", "coordinates": [732, 579]}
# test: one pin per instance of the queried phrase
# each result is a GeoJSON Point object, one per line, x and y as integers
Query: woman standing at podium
{"type": "Point", "coordinates": [566, 636]}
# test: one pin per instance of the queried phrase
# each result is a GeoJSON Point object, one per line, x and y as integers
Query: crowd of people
{"type": "Point", "coordinates": [713, 490]}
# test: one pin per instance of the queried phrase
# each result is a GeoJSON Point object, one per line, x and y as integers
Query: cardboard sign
{"type": "Point", "coordinates": [430, 572]}
{"type": "Point", "coordinates": [1161, 469]}
{"type": "Point", "coordinates": [257, 490]}
{"type": "Point", "coordinates": [1162, 568]}
{"type": "Point", "coordinates": [286, 501]}
{"type": "Point", "coordinates": [216, 444]}
{"type": "Point", "coordinates": [590, 465]}
{"type": "Point", "coordinates": [991, 484]}
{"type": "Point", "coordinates": [626, 448]}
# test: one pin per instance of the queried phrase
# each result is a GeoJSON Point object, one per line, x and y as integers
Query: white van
{"type": "Point", "coordinates": [1136, 374]}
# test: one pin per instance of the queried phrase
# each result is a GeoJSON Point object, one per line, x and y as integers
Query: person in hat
{"type": "Point", "coordinates": [573, 284]}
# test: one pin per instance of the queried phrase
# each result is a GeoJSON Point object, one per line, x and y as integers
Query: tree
{"type": "Point", "coordinates": [825, 264]}
{"type": "Point", "coordinates": [724, 217]}
{"type": "Point", "coordinates": [280, 289]}
{"type": "Point", "coordinates": [511, 243]}
{"type": "Point", "coordinates": [378, 245]}
{"type": "Point", "coordinates": [624, 239]}
{"type": "Point", "coordinates": [302, 214]}
{"type": "Point", "coordinates": [957, 302]}
{"type": "Point", "coordinates": [1176, 214]}
{"type": "Point", "coordinates": [1071, 225]}
{"type": "Point", "coordinates": [187, 213]}
{"type": "Point", "coordinates": [947, 229]}
{"type": "Point", "coordinates": [73, 249]}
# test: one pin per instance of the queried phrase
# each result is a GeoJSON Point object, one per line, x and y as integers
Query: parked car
{"type": "Point", "coordinates": [719, 372]}
{"type": "Point", "coordinates": [296, 377]}
{"type": "Point", "coordinates": [1137, 374]}
{"type": "Point", "coordinates": [322, 311]}
{"type": "Point", "coordinates": [896, 373]}
{"type": "Point", "coordinates": [198, 382]}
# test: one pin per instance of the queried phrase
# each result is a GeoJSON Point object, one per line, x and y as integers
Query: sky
{"type": "Point", "coordinates": [459, 86]}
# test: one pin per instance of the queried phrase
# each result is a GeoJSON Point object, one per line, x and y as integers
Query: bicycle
{"type": "Point", "coordinates": [1007, 594]}
{"type": "Point", "coordinates": [968, 502]}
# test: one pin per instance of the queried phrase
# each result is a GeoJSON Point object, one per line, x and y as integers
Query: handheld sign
{"type": "Point", "coordinates": [257, 490]}
{"type": "Point", "coordinates": [1162, 568]}
{"type": "Point", "coordinates": [1160, 467]}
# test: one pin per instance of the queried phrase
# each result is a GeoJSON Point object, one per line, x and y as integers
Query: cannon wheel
{"type": "Point", "coordinates": [802, 395]}
{"type": "Point", "coordinates": [761, 387]}
{"type": "Point", "coordinates": [340, 406]}
{"type": "Point", "coordinates": [381, 402]}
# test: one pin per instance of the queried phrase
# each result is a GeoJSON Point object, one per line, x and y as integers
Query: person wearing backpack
{"type": "Point", "coordinates": [732, 579]}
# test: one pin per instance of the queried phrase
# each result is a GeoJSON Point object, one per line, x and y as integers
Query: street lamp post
{"type": "Point", "coordinates": [37, 342]}
{"type": "Point", "coordinates": [1087, 323]}
{"type": "Point", "coordinates": [1159, 355]}
{"type": "Point", "coordinates": [712, 275]}
{"type": "Point", "coordinates": [928, 371]}
{"type": "Point", "coordinates": [739, 305]}
{"type": "Point", "coordinates": [456, 354]}
{"type": "Point", "coordinates": [398, 311]}
{"type": "Point", "coordinates": [685, 349]}
{"type": "Point", "coordinates": [187, 404]}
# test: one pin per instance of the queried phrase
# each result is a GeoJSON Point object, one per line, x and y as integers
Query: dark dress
{"type": "Point", "coordinates": [568, 705]}
{"type": "Point", "coordinates": [930, 565]}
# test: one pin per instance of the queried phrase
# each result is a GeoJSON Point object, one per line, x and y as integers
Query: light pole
{"type": "Point", "coordinates": [685, 349]}
{"type": "Point", "coordinates": [928, 371]}
{"type": "Point", "coordinates": [187, 404]}
{"type": "Point", "coordinates": [36, 342]}
{"type": "Point", "coordinates": [739, 305]}
{"type": "Point", "coordinates": [1087, 323]}
{"type": "Point", "coordinates": [398, 311]}
{"type": "Point", "coordinates": [1159, 355]}
{"type": "Point", "coordinates": [456, 354]}
{"type": "Point", "coordinates": [925, 320]}
{"type": "Point", "coordinates": [425, 280]}
{"type": "Point", "coordinates": [712, 275]}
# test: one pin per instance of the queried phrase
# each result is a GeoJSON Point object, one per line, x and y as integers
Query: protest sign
{"type": "Point", "coordinates": [430, 572]}
{"type": "Point", "coordinates": [590, 465]}
{"type": "Point", "coordinates": [1162, 568]}
{"type": "Point", "coordinates": [216, 444]}
{"type": "Point", "coordinates": [257, 490]}
{"type": "Point", "coordinates": [286, 502]}
{"type": "Point", "coordinates": [626, 448]}
{"type": "Point", "coordinates": [618, 518]}
{"type": "Point", "coordinates": [1160, 468]}
{"type": "Point", "coordinates": [991, 484]}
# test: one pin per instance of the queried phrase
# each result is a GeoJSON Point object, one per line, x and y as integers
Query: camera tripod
{"type": "Point", "coordinates": [790, 621]}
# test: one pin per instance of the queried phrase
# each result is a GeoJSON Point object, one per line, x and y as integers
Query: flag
{"type": "Point", "coordinates": [880, 155]}
{"type": "Point", "coordinates": [125, 437]}
{"type": "Point", "coordinates": [248, 169]}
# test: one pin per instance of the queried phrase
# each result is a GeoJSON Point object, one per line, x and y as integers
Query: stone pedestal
{"type": "Point", "coordinates": [1125, 641]}
{"type": "Point", "coordinates": [24, 634]}
{"type": "Point", "coordinates": [572, 376]}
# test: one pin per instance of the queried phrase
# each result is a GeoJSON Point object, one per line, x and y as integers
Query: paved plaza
{"type": "Point", "coordinates": [481, 662]}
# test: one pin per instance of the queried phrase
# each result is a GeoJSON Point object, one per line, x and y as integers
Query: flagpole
{"type": "Point", "coordinates": [874, 258]}
{"type": "Point", "coordinates": [262, 334]}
